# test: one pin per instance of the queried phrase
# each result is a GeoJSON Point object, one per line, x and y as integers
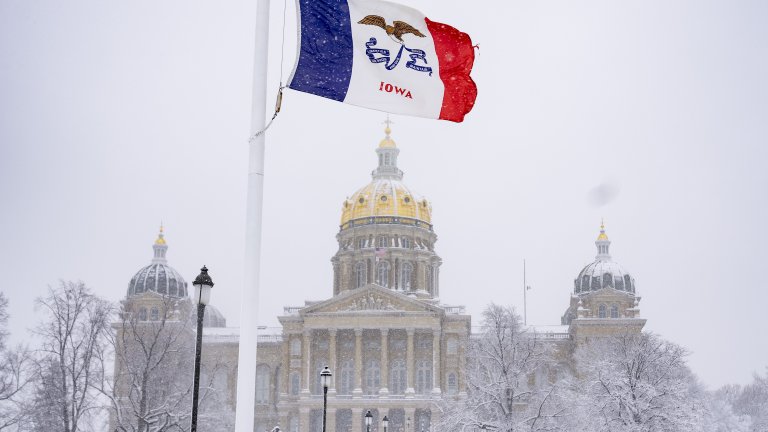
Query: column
{"type": "Point", "coordinates": [421, 276]}
{"type": "Point", "coordinates": [305, 356]}
{"type": "Point", "coordinates": [384, 391]}
{"type": "Point", "coordinates": [285, 385]}
{"type": "Point", "coordinates": [436, 362]}
{"type": "Point", "coordinates": [358, 390]}
{"type": "Point", "coordinates": [332, 360]}
{"type": "Point", "coordinates": [409, 363]}
{"type": "Point", "coordinates": [357, 420]}
{"type": "Point", "coordinates": [330, 420]}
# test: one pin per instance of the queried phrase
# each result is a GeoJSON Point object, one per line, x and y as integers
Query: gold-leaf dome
{"type": "Point", "coordinates": [386, 200]}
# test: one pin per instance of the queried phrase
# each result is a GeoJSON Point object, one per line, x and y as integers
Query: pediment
{"type": "Point", "coordinates": [370, 298]}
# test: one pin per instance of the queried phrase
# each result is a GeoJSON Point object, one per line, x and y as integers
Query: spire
{"type": "Point", "coordinates": [160, 247]}
{"type": "Point", "coordinates": [387, 152]}
{"type": "Point", "coordinates": [603, 244]}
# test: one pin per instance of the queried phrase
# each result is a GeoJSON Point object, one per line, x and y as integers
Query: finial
{"type": "Point", "coordinates": [389, 123]}
{"type": "Point", "coordinates": [160, 237]}
{"type": "Point", "coordinates": [602, 235]}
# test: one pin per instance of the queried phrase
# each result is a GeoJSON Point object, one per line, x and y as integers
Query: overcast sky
{"type": "Point", "coordinates": [117, 115]}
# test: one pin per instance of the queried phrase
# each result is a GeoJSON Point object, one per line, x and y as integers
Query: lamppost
{"type": "Point", "coordinates": [368, 421]}
{"type": "Point", "coordinates": [325, 380]}
{"type": "Point", "coordinates": [203, 285]}
{"type": "Point", "coordinates": [385, 423]}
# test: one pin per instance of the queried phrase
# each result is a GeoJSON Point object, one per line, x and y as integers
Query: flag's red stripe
{"type": "Point", "coordinates": [455, 55]}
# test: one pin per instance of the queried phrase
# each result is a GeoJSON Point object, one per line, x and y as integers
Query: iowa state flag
{"type": "Point", "coordinates": [384, 56]}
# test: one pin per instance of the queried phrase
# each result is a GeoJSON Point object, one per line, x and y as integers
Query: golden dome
{"type": "Point", "coordinates": [387, 198]}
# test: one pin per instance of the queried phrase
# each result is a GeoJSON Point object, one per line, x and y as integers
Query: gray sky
{"type": "Point", "coordinates": [116, 115]}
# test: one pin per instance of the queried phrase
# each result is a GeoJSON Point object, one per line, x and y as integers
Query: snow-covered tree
{"type": "Point", "coordinates": [154, 359]}
{"type": "Point", "coordinates": [721, 415]}
{"type": "Point", "coordinates": [508, 380]}
{"type": "Point", "coordinates": [753, 401]}
{"type": "Point", "coordinates": [15, 376]}
{"type": "Point", "coordinates": [636, 382]}
{"type": "Point", "coordinates": [72, 334]}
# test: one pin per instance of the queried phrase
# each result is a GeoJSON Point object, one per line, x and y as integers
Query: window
{"type": "Point", "coordinates": [360, 274]}
{"type": "Point", "coordinates": [381, 241]}
{"type": "Point", "coordinates": [372, 377]}
{"type": "Point", "coordinates": [361, 243]}
{"type": "Point", "coordinates": [405, 276]}
{"type": "Point", "coordinates": [452, 346]}
{"type": "Point", "coordinates": [397, 377]}
{"type": "Point", "coordinates": [453, 384]}
{"type": "Point", "coordinates": [628, 284]}
{"type": "Point", "coordinates": [619, 283]}
{"type": "Point", "coordinates": [405, 242]}
{"type": "Point", "coordinates": [382, 274]}
{"type": "Point", "coordinates": [614, 311]}
{"type": "Point", "coordinates": [601, 311]}
{"type": "Point", "coordinates": [347, 377]}
{"type": "Point", "coordinates": [143, 314]}
{"type": "Point", "coordinates": [607, 280]}
{"type": "Point", "coordinates": [155, 314]}
{"type": "Point", "coordinates": [424, 376]}
{"type": "Point", "coordinates": [262, 384]}
{"type": "Point", "coordinates": [295, 383]}
{"type": "Point", "coordinates": [585, 283]}
{"type": "Point", "coordinates": [296, 347]}
{"type": "Point", "coordinates": [387, 159]}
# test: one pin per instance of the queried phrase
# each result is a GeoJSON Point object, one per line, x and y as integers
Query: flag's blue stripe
{"type": "Point", "coordinates": [324, 67]}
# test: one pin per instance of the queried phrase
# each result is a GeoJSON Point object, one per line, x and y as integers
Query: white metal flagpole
{"type": "Point", "coordinates": [249, 306]}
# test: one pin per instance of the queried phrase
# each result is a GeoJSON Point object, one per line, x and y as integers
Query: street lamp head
{"type": "Point", "coordinates": [325, 377]}
{"type": "Point", "coordinates": [368, 418]}
{"type": "Point", "coordinates": [385, 422]}
{"type": "Point", "coordinates": [203, 285]}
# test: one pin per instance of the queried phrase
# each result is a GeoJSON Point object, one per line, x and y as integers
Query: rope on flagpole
{"type": "Point", "coordinates": [279, 101]}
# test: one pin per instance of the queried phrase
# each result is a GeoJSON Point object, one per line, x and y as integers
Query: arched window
{"type": "Point", "coordinates": [628, 284]}
{"type": "Point", "coordinates": [372, 377]}
{"type": "Point", "coordinates": [381, 241]}
{"type": "Point", "coordinates": [614, 311]}
{"type": "Point", "coordinates": [155, 314]}
{"type": "Point", "coordinates": [262, 384]}
{"type": "Point", "coordinates": [347, 377]}
{"type": "Point", "coordinates": [295, 383]}
{"type": "Point", "coordinates": [601, 311]}
{"type": "Point", "coordinates": [405, 276]}
{"type": "Point", "coordinates": [607, 280]}
{"type": "Point", "coordinates": [453, 384]}
{"type": "Point", "coordinates": [360, 274]}
{"type": "Point", "coordinates": [619, 283]}
{"type": "Point", "coordinates": [397, 377]}
{"type": "Point", "coordinates": [382, 274]}
{"type": "Point", "coordinates": [424, 376]}
{"type": "Point", "coordinates": [143, 314]}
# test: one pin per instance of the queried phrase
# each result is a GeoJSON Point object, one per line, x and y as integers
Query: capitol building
{"type": "Point", "coordinates": [395, 347]}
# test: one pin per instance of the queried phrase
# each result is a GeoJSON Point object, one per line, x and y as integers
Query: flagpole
{"type": "Point", "coordinates": [525, 297]}
{"type": "Point", "coordinates": [249, 306]}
